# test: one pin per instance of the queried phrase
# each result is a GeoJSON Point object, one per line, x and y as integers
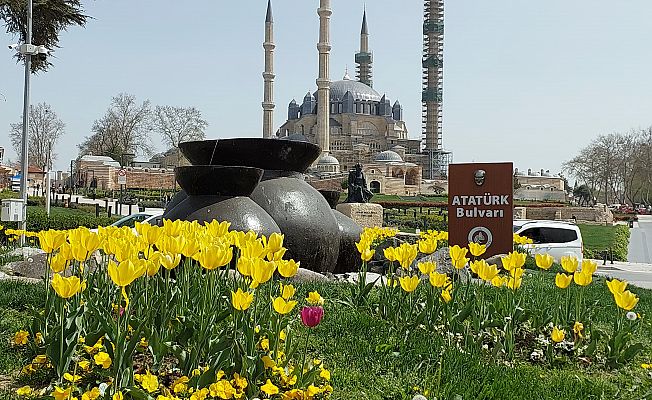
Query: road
{"type": "Point", "coordinates": [640, 241]}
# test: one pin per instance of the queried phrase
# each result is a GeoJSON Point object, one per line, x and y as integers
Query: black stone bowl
{"type": "Point", "coordinates": [270, 154]}
{"type": "Point", "coordinates": [218, 180]}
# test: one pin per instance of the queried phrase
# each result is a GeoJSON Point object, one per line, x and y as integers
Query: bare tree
{"type": "Point", "coordinates": [178, 124]}
{"type": "Point", "coordinates": [45, 129]}
{"type": "Point", "coordinates": [616, 166]}
{"type": "Point", "coordinates": [123, 129]}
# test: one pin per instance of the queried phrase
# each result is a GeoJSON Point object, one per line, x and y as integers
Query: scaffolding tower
{"type": "Point", "coordinates": [433, 89]}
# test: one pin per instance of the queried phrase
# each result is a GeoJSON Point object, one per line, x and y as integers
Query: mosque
{"type": "Point", "coordinates": [349, 119]}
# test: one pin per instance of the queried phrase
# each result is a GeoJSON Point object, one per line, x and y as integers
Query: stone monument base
{"type": "Point", "coordinates": [367, 215]}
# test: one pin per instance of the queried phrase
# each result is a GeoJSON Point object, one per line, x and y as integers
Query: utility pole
{"type": "Point", "coordinates": [25, 158]}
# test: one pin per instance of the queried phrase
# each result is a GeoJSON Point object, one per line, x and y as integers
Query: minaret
{"type": "Point", "coordinates": [433, 81]}
{"type": "Point", "coordinates": [364, 58]}
{"type": "Point", "coordinates": [323, 81]}
{"type": "Point", "coordinates": [268, 75]}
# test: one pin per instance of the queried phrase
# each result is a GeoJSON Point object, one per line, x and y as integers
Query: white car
{"type": "Point", "coordinates": [143, 217]}
{"type": "Point", "coordinates": [556, 238]}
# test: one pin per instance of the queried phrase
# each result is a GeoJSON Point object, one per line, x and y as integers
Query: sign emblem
{"type": "Point", "coordinates": [122, 177]}
{"type": "Point", "coordinates": [481, 235]}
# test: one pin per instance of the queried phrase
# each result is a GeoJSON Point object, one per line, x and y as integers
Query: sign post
{"type": "Point", "coordinates": [481, 206]}
{"type": "Point", "coordinates": [122, 180]}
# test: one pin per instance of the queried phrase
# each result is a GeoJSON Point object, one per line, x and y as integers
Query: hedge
{"type": "Point", "coordinates": [38, 220]}
{"type": "Point", "coordinates": [619, 246]}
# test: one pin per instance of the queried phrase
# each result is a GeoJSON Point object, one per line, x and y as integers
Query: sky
{"type": "Point", "coordinates": [530, 82]}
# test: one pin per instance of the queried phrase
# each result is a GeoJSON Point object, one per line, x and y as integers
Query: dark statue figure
{"type": "Point", "coordinates": [358, 192]}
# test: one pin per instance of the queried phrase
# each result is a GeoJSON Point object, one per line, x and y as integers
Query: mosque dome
{"type": "Point", "coordinates": [388, 156]}
{"type": "Point", "coordinates": [359, 90]}
{"type": "Point", "coordinates": [328, 160]}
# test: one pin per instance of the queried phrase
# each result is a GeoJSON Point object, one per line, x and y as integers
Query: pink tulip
{"type": "Point", "coordinates": [311, 316]}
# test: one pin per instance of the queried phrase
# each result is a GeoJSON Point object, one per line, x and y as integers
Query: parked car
{"type": "Point", "coordinates": [155, 218]}
{"type": "Point", "coordinates": [553, 237]}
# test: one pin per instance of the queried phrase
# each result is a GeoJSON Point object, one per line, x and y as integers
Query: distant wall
{"type": "Point", "coordinates": [599, 214]}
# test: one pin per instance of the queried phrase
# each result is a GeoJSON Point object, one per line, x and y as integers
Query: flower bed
{"type": "Point", "coordinates": [158, 315]}
{"type": "Point", "coordinates": [195, 329]}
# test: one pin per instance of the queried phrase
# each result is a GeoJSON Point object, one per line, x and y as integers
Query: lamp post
{"type": "Point", "coordinates": [25, 149]}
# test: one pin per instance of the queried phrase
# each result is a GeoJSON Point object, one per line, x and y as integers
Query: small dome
{"type": "Point", "coordinates": [328, 160]}
{"type": "Point", "coordinates": [388, 156]}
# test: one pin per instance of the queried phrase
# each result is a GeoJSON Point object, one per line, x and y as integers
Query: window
{"type": "Point", "coordinates": [550, 235]}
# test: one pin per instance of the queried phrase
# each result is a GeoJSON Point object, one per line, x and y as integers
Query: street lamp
{"type": "Point", "coordinates": [28, 50]}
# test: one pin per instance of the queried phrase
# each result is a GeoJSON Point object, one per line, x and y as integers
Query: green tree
{"type": "Point", "coordinates": [50, 17]}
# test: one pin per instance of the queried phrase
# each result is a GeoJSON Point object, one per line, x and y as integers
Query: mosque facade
{"type": "Point", "coordinates": [360, 125]}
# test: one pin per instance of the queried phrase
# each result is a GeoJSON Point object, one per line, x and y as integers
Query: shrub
{"type": "Point", "coordinates": [38, 220]}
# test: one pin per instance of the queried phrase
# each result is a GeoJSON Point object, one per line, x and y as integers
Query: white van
{"type": "Point", "coordinates": [553, 237]}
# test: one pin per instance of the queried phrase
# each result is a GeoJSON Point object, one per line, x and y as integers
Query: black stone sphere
{"type": "Point", "coordinates": [242, 212]}
{"type": "Point", "coordinates": [270, 154]}
{"type": "Point", "coordinates": [305, 218]}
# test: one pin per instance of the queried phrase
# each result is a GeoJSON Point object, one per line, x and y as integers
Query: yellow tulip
{"type": "Point", "coordinates": [457, 253]}
{"type": "Point", "coordinates": [79, 253]}
{"type": "Point", "coordinates": [66, 287]}
{"type": "Point", "coordinates": [499, 281]}
{"type": "Point", "coordinates": [439, 280]}
{"type": "Point", "coordinates": [557, 334]}
{"type": "Point", "coordinates": [405, 254]}
{"type": "Point", "coordinates": [126, 272]}
{"type": "Point", "coordinates": [390, 254]}
{"type": "Point", "coordinates": [283, 306]}
{"type": "Point", "coordinates": [191, 248]}
{"type": "Point", "coordinates": [172, 228]}
{"type": "Point", "coordinates": [427, 246]}
{"type": "Point", "coordinates": [487, 272]}
{"type": "Point", "coordinates": [214, 257]}
{"type": "Point", "coordinates": [582, 279]}
{"type": "Point", "coordinates": [477, 249]}
{"type": "Point", "coordinates": [589, 267]}
{"type": "Point", "coordinates": [409, 284]}
{"type": "Point", "coordinates": [315, 298]}
{"type": "Point", "coordinates": [569, 264]}
{"type": "Point", "coordinates": [287, 291]}
{"type": "Point", "coordinates": [65, 251]}
{"type": "Point", "coordinates": [274, 243]}
{"type": "Point", "coordinates": [262, 271]}
{"type": "Point", "coordinates": [102, 359]}
{"type": "Point", "coordinates": [446, 296]}
{"type": "Point", "coordinates": [288, 268]}
{"type": "Point", "coordinates": [269, 388]}
{"type": "Point", "coordinates": [626, 300]}
{"type": "Point", "coordinates": [616, 286]}
{"type": "Point", "coordinates": [169, 260]}
{"type": "Point", "coordinates": [363, 245]}
{"type": "Point", "coordinates": [58, 263]}
{"type": "Point", "coordinates": [367, 254]}
{"type": "Point", "coordinates": [460, 263]}
{"type": "Point", "coordinates": [473, 265]}
{"type": "Point", "coordinates": [427, 267]}
{"type": "Point", "coordinates": [544, 261]}
{"type": "Point", "coordinates": [578, 327]}
{"type": "Point", "coordinates": [245, 265]}
{"type": "Point", "coordinates": [241, 300]}
{"type": "Point", "coordinates": [252, 248]}
{"type": "Point", "coordinates": [61, 394]}
{"type": "Point", "coordinates": [218, 229]}
{"type": "Point", "coordinates": [562, 280]}
{"type": "Point", "coordinates": [51, 240]}
{"type": "Point", "coordinates": [514, 282]}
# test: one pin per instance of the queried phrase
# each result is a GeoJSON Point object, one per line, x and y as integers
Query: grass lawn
{"type": "Point", "coordinates": [368, 360]}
